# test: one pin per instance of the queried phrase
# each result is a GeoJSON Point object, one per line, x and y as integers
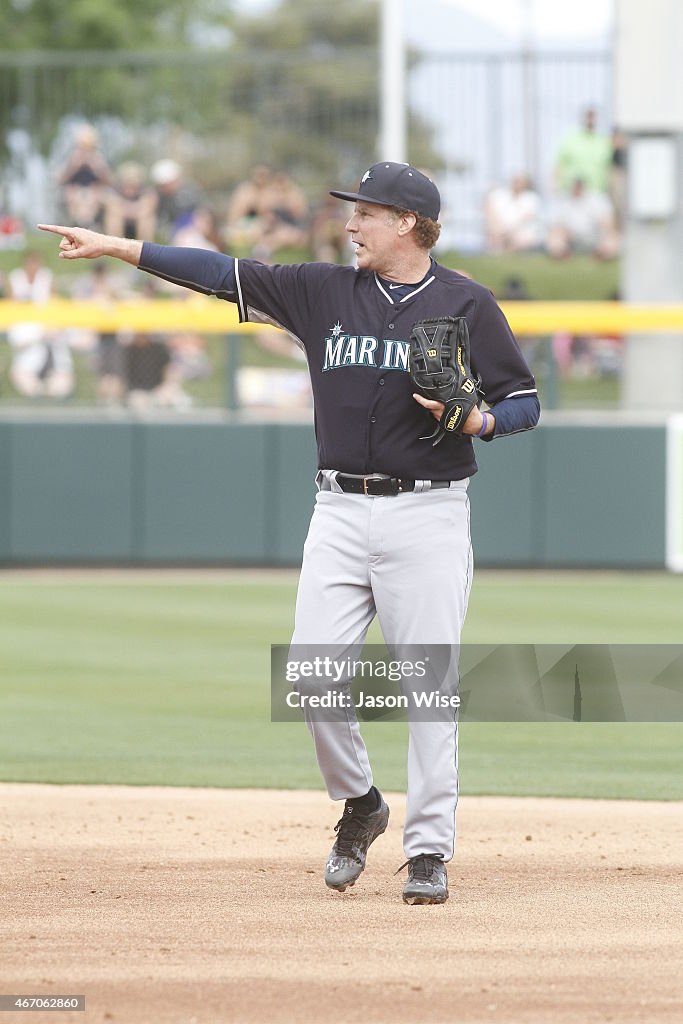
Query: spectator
{"type": "Point", "coordinates": [41, 363]}
{"type": "Point", "coordinates": [199, 232]}
{"type": "Point", "coordinates": [11, 232]}
{"type": "Point", "coordinates": [584, 153]}
{"type": "Point", "coordinates": [249, 207]}
{"type": "Point", "coordinates": [285, 223]}
{"type": "Point", "coordinates": [189, 362]}
{"type": "Point", "coordinates": [84, 179]}
{"type": "Point", "coordinates": [514, 290]}
{"type": "Point", "coordinates": [513, 217]}
{"type": "Point", "coordinates": [583, 221]}
{"type": "Point", "coordinates": [177, 199]}
{"type": "Point", "coordinates": [329, 237]}
{"type": "Point", "coordinates": [146, 365]}
{"type": "Point", "coordinates": [616, 186]}
{"type": "Point", "coordinates": [11, 228]}
{"type": "Point", "coordinates": [130, 208]}
{"type": "Point", "coordinates": [102, 288]}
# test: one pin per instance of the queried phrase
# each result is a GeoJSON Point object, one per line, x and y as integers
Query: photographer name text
{"type": "Point", "coordinates": [341, 699]}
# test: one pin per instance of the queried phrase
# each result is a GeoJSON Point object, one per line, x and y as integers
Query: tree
{"type": "Point", "coordinates": [311, 87]}
{"type": "Point", "coordinates": [38, 90]}
{"type": "Point", "coordinates": [296, 87]}
{"type": "Point", "coordinates": [110, 25]}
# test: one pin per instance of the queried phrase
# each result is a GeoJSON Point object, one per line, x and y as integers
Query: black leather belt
{"type": "Point", "coordinates": [377, 486]}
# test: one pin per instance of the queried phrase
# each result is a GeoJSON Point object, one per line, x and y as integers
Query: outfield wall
{"type": "Point", "coordinates": [134, 492]}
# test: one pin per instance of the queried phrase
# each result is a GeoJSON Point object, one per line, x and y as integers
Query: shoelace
{"type": "Point", "coordinates": [422, 866]}
{"type": "Point", "coordinates": [349, 828]}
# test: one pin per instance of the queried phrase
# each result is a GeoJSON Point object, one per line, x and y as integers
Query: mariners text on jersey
{"type": "Point", "coordinates": [364, 350]}
{"type": "Point", "coordinates": [354, 330]}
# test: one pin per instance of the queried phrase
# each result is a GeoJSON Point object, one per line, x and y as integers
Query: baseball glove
{"type": "Point", "coordinates": [440, 368]}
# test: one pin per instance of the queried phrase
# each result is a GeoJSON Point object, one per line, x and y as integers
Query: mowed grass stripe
{"type": "Point", "coordinates": [164, 679]}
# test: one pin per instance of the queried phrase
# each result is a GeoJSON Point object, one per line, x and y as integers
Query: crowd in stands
{"type": "Point", "coordinates": [266, 214]}
{"type": "Point", "coordinates": [584, 213]}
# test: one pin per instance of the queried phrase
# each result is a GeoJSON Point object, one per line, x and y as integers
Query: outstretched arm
{"type": "Point", "coordinates": [83, 244]}
{"type": "Point", "coordinates": [202, 270]}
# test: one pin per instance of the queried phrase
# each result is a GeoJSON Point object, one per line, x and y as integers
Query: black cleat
{"type": "Point", "coordinates": [355, 831]}
{"type": "Point", "coordinates": [427, 880]}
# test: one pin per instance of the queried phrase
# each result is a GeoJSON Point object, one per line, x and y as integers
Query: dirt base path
{"type": "Point", "coordinates": [179, 906]}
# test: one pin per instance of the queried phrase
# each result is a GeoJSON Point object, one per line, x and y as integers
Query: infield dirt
{"type": "Point", "coordinates": [189, 906]}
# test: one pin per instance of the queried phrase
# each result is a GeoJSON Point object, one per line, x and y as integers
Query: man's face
{"type": "Point", "coordinates": [374, 232]}
{"type": "Point", "coordinates": [589, 120]}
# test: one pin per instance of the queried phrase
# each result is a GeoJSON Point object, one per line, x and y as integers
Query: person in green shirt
{"type": "Point", "coordinates": [584, 154]}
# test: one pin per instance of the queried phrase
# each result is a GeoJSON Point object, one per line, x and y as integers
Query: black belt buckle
{"type": "Point", "coordinates": [380, 486]}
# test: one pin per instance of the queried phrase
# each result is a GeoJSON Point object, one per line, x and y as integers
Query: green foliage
{"type": "Point", "coordinates": [304, 24]}
{"type": "Point", "coordinates": [114, 25]}
{"type": "Point", "coordinates": [297, 88]}
{"type": "Point", "coordinates": [312, 79]}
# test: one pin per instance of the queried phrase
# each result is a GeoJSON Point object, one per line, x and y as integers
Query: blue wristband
{"type": "Point", "coordinates": [484, 425]}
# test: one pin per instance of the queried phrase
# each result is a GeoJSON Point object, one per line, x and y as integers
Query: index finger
{"type": "Point", "coordinates": [56, 229]}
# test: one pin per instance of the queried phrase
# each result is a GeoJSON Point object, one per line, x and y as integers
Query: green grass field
{"type": "Point", "coordinates": [163, 678]}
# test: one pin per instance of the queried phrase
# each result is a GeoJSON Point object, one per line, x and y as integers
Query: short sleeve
{"type": "Point", "coordinates": [283, 295]}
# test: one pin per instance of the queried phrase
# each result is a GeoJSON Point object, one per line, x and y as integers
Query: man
{"type": "Point", "coordinates": [390, 531]}
{"type": "Point", "coordinates": [177, 199]}
{"type": "Point", "coordinates": [584, 153]}
{"type": "Point", "coordinates": [583, 221]}
{"type": "Point", "coordinates": [513, 217]}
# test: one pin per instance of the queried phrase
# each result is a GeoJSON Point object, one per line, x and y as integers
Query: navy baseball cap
{"type": "Point", "coordinates": [389, 184]}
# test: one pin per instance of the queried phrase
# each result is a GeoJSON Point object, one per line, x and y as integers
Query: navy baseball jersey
{"type": "Point", "coordinates": [354, 328]}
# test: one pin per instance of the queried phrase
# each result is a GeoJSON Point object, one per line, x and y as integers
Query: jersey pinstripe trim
{"type": "Point", "coordinates": [416, 290]}
{"type": "Point", "coordinates": [516, 394]}
{"type": "Point", "coordinates": [252, 315]}
{"type": "Point", "coordinates": [386, 294]}
{"type": "Point", "coordinates": [244, 314]}
{"type": "Point", "coordinates": [388, 297]}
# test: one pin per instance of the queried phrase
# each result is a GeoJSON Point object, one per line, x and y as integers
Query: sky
{"type": "Point", "coordinates": [550, 21]}
{"type": "Point", "coordinates": [547, 19]}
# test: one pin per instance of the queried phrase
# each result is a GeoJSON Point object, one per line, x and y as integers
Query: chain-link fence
{"type": "Point", "coordinates": [475, 119]}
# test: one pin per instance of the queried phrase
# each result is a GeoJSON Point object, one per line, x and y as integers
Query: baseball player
{"type": "Point", "coordinates": [390, 532]}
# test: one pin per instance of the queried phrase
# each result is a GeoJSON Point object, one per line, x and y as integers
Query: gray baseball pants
{"type": "Point", "coordinates": [408, 560]}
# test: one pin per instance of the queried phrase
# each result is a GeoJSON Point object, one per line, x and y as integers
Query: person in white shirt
{"type": "Point", "coordinates": [583, 221]}
{"type": "Point", "coordinates": [41, 363]}
{"type": "Point", "coordinates": [513, 213]}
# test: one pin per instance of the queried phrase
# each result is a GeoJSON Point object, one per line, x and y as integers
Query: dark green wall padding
{"type": "Point", "coordinates": [196, 493]}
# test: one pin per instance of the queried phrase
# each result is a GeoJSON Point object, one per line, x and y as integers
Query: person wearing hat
{"type": "Point", "coordinates": [390, 532]}
{"type": "Point", "coordinates": [177, 198]}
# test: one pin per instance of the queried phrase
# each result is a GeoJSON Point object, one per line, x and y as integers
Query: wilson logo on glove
{"type": "Point", "coordinates": [440, 368]}
{"type": "Point", "coordinates": [454, 418]}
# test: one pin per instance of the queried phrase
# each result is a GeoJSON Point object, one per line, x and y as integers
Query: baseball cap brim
{"type": "Point", "coordinates": [354, 197]}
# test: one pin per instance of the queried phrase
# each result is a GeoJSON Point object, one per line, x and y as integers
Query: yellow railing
{"type": "Point", "coordinates": [216, 317]}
